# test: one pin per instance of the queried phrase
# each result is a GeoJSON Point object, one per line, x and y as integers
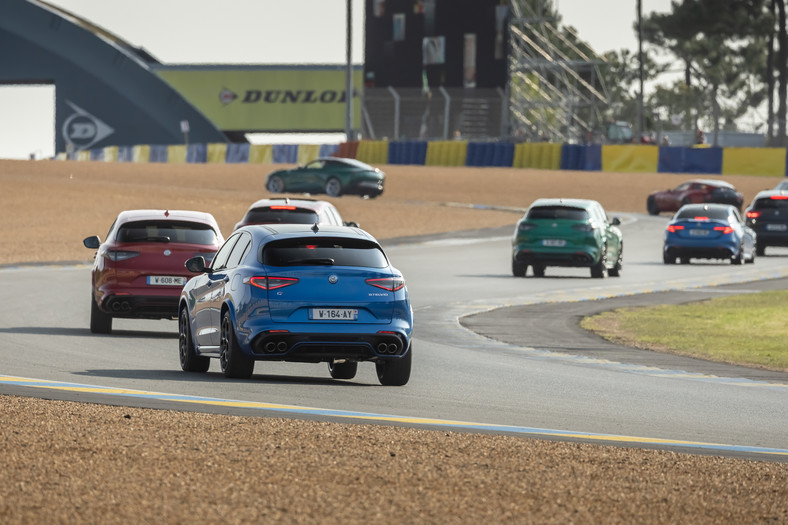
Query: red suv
{"type": "Point", "coordinates": [138, 271]}
{"type": "Point", "coordinates": [696, 191]}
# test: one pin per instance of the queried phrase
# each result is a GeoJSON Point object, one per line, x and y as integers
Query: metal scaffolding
{"type": "Point", "coordinates": [556, 89]}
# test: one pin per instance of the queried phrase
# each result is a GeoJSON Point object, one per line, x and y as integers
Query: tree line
{"type": "Point", "coordinates": [729, 65]}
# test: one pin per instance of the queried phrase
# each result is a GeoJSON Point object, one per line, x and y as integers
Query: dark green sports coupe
{"type": "Point", "coordinates": [567, 232]}
{"type": "Point", "coordinates": [333, 176]}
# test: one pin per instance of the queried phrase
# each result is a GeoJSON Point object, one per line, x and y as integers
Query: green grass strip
{"type": "Point", "coordinates": [746, 329]}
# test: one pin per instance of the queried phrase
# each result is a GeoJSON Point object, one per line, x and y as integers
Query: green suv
{"type": "Point", "coordinates": [567, 232]}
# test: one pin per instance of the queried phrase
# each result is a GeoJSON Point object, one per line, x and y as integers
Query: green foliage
{"type": "Point", "coordinates": [722, 48]}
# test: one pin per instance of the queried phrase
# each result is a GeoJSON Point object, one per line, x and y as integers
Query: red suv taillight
{"type": "Point", "coordinates": [272, 283]}
{"type": "Point", "coordinates": [392, 284]}
{"type": "Point", "coordinates": [120, 255]}
{"type": "Point", "coordinates": [753, 214]}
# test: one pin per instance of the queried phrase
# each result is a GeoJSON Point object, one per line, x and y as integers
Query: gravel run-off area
{"type": "Point", "coordinates": [67, 462]}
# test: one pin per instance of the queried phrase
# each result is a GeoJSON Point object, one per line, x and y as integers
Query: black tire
{"type": "Point", "coordinates": [538, 270]}
{"type": "Point", "coordinates": [760, 249]}
{"type": "Point", "coordinates": [346, 370]}
{"type": "Point", "coordinates": [100, 322]}
{"type": "Point", "coordinates": [234, 363]}
{"type": "Point", "coordinates": [518, 269]}
{"type": "Point", "coordinates": [685, 260]}
{"type": "Point", "coordinates": [275, 184]}
{"type": "Point", "coordinates": [395, 372]}
{"type": "Point", "coordinates": [651, 206]}
{"type": "Point", "coordinates": [333, 187]}
{"type": "Point", "coordinates": [668, 259]}
{"type": "Point", "coordinates": [190, 361]}
{"type": "Point", "coordinates": [599, 269]}
{"type": "Point", "coordinates": [739, 257]}
{"type": "Point", "coordinates": [615, 271]}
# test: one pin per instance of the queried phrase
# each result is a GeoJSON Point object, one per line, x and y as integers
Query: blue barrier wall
{"type": "Point", "coordinates": [158, 153]}
{"type": "Point", "coordinates": [197, 153]}
{"type": "Point", "coordinates": [237, 153]}
{"type": "Point", "coordinates": [676, 159]}
{"type": "Point", "coordinates": [125, 154]}
{"type": "Point", "coordinates": [581, 157]}
{"type": "Point", "coordinates": [285, 153]}
{"type": "Point", "coordinates": [408, 152]}
{"type": "Point", "coordinates": [671, 159]}
{"type": "Point", "coordinates": [490, 154]}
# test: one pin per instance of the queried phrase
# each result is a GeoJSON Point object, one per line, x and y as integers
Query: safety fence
{"type": "Point", "coordinates": [541, 155]}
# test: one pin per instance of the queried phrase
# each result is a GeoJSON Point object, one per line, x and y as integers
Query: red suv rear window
{"type": "Point", "coordinates": [167, 231]}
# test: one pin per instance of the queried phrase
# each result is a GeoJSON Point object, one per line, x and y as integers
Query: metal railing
{"type": "Point", "coordinates": [441, 114]}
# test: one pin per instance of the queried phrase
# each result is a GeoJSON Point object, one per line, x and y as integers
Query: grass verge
{"type": "Point", "coordinates": [747, 329]}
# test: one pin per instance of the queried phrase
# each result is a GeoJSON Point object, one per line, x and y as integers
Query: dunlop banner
{"type": "Point", "coordinates": [268, 98]}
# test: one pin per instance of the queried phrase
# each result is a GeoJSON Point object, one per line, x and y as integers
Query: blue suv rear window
{"type": "Point", "coordinates": [690, 212]}
{"type": "Point", "coordinates": [324, 251]}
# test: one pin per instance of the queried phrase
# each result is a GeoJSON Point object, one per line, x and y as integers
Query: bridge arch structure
{"type": "Point", "coordinates": [106, 90]}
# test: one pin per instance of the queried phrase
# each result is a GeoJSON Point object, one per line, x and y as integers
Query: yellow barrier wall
{"type": "Point", "coordinates": [539, 155]}
{"type": "Point", "coordinates": [522, 155]}
{"type": "Point", "coordinates": [308, 152]}
{"type": "Point", "coordinates": [630, 158]}
{"type": "Point", "coordinates": [446, 153]}
{"type": "Point", "coordinates": [261, 154]}
{"type": "Point", "coordinates": [373, 151]}
{"type": "Point", "coordinates": [433, 154]}
{"type": "Point", "coordinates": [176, 154]}
{"type": "Point", "coordinates": [753, 161]}
{"type": "Point", "coordinates": [141, 153]}
{"type": "Point", "coordinates": [111, 154]}
{"type": "Point", "coordinates": [216, 153]}
{"type": "Point", "coordinates": [83, 155]}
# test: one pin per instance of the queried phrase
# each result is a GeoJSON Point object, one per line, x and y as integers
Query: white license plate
{"type": "Point", "coordinates": [166, 280]}
{"type": "Point", "coordinates": [776, 227]}
{"type": "Point", "coordinates": [699, 233]}
{"type": "Point", "coordinates": [554, 242]}
{"type": "Point", "coordinates": [333, 314]}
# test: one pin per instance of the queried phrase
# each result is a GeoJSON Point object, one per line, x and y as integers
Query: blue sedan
{"type": "Point", "coordinates": [294, 292]}
{"type": "Point", "coordinates": [708, 231]}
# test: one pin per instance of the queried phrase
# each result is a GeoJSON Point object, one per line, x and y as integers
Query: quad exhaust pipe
{"type": "Point", "coordinates": [387, 348]}
{"type": "Point", "coordinates": [275, 346]}
{"type": "Point", "coordinates": [281, 346]}
{"type": "Point", "coordinates": [120, 306]}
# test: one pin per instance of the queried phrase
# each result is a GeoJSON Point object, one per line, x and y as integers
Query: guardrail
{"type": "Point", "coordinates": [540, 155]}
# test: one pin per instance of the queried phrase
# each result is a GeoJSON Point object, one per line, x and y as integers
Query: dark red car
{"type": "Point", "coordinates": [694, 192]}
{"type": "Point", "coordinates": [138, 271]}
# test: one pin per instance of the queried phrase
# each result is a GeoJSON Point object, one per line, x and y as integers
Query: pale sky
{"type": "Point", "coordinates": [255, 32]}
